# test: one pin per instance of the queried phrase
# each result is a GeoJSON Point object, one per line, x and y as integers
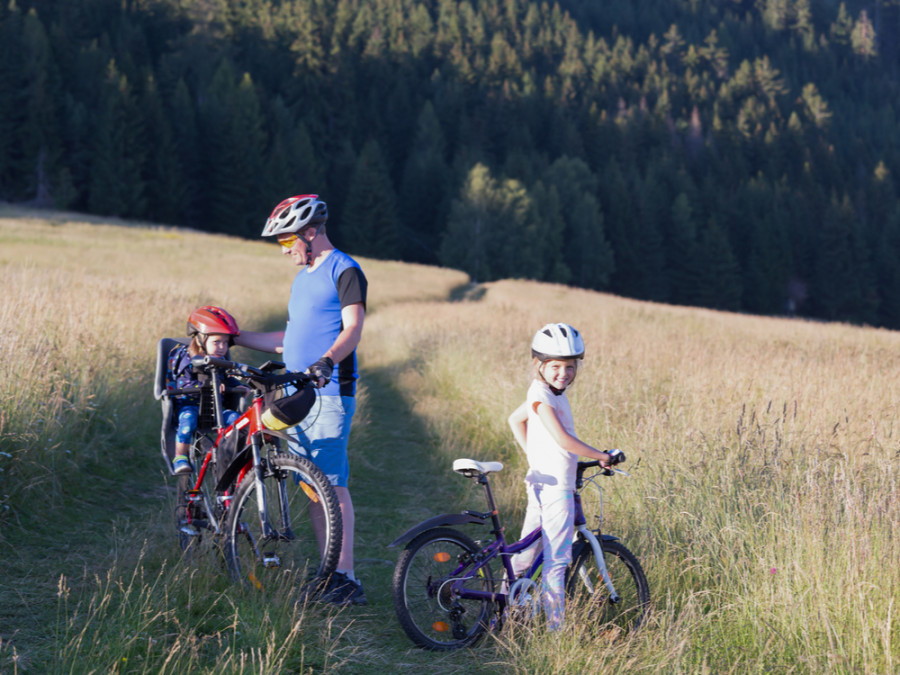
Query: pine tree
{"type": "Point", "coordinates": [842, 288]}
{"type": "Point", "coordinates": [12, 108]}
{"type": "Point", "coordinates": [534, 220]}
{"type": "Point", "coordinates": [166, 189]}
{"type": "Point", "coordinates": [588, 251]}
{"type": "Point", "coordinates": [369, 224]}
{"type": "Point", "coordinates": [619, 218]}
{"type": "Point", "coordinates": [247, 137]}
{"type": "Point", "coordinates": [423, 189]}
{"type": "Point", "coordinates": [842, 26]}
{"type": "Point", "coordinates": [681, 252]}
{"type": "Point", "coordinates": [863, 39]}
{"type": "Point", "coordinates": [116, 182]}
{"type": "Point", "coordinates": [292, 166]}
{"type": "Point", "coordinates": [466, 243]}
{"type": "Point", "coordinates": [887, 271]}
{"type": "Point", "coordinates": [719, 275]}
{"type": "Point", "coordinates": [186, 139]}
{"type": "Point", "coordinates": [40, 134]}
{"type": "Point", "coordinates": [235, 139]}
{"type": "Point", "coordinates": [649, 276]}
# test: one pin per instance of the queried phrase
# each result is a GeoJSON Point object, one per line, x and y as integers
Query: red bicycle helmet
{"type": "Point", "coordinates": [210, 320]}
{"type": "Point", "coordinates": [295, 214]}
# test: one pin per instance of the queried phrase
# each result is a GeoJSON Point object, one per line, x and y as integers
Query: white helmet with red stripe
{"type": "Point", "coordinates": [296, 213]}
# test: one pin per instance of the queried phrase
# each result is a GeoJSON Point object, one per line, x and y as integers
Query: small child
{"type": "Point", "coordinates": [544, 428]}
{"type": "Point", "coordinates": [212, 331]}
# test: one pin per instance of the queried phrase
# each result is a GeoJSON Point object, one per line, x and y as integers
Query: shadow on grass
{"type": "Point", "coordinates": [470, 292]}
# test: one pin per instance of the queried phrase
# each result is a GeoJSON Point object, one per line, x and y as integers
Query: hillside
{"type": "Point", "coordinates": [730, 154]}
{"type": "Point", "coordinates": [763, 499]}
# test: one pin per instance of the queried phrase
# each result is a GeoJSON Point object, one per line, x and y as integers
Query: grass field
{"type": "Point", "coordinates": [763, 499]}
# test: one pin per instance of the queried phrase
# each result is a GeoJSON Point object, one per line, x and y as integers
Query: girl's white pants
{"type": "Point", "coordinates": [554, 511]}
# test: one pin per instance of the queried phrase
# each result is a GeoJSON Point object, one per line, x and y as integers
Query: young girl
{"type": "Point", "coordinates": [212, 331]}
{"type": "Point", "coordinates": [544, 428]}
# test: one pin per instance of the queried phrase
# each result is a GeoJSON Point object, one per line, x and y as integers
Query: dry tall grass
{"type": "Point", "coordinates": [763, 499]}
{"type": "Point", "coordinates": [84, 304]}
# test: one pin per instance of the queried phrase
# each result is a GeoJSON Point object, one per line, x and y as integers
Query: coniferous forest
{"type": "Point", "coordinates": [733, 154]}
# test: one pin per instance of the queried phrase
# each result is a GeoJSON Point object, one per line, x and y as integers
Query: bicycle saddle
{"type": "Point", "coordinates": [469, 466]}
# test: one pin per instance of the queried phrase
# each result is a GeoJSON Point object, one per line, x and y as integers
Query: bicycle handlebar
{"type": "Point", "coordinates": [617, 458]}
{"type": "Point", "coordinates": [260, 376]}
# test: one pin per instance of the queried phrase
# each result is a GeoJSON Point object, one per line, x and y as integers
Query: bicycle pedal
{"type": "Point", "coordinates": [270, 560]}
{"type": "Point", "coordinates": [189, 529]}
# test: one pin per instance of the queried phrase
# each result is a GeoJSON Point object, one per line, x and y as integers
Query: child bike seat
{"type": "Point", "coordinates": [167, 435]}
{"type": "Point", "coordinates": [470, 467]}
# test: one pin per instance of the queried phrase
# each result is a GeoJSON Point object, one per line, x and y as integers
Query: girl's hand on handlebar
{"type": "Point", "coordinates": [616, 456]}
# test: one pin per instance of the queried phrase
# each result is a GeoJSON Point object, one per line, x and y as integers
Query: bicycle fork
{"type": "Point", "coordinates": [591, 538]}
{"type": "Point", "coordinates": [270, 533]}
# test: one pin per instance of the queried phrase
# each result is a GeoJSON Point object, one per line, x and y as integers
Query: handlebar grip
{"type": "Point", "coordinates": [204, 362]}
{"type": "Point", "coordinates": [286, 378]}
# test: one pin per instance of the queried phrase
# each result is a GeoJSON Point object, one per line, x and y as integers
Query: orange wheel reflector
{"type": "Point", "coordinates": [313, 497]}
{"type": "Point", "coordinates": [254, 581]}
{"type": "Point", "coordinates": [440, 626]}
{"type": "Point", "coordinates": [442, 556]}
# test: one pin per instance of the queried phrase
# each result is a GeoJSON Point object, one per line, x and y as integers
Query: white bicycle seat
{"type": "Point", "coordinates": [469, 466]}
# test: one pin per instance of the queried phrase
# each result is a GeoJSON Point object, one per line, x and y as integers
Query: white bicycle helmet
{"type": "Point", "coordinates": [557, 341]}
{"type": "Point", "coordinates": [295, 214]}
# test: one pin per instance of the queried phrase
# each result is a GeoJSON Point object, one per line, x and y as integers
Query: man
{"type": "Point", "coordinates": [325, 321]}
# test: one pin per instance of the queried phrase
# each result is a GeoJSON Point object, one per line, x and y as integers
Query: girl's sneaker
{"type": "Point", "coordinates": [181, 464]}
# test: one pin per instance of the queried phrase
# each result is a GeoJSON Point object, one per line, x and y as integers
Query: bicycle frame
{"type": "Point", "coordinates": [241, 464]}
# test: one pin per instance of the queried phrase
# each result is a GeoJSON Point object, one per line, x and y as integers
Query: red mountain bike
{"type": "Point", "coordinates": [270, 514]}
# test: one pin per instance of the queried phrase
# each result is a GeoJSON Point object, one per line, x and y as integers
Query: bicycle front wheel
{"type": "Point", "coordinates": [287, 532]}
{"type": "Point", "coordinates": [429, 611]}
{"type": "Point", "coordinates": [585, 587]}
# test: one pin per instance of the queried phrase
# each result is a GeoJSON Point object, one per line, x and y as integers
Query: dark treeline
{"type": "Point", "coordinates": [735, 154]}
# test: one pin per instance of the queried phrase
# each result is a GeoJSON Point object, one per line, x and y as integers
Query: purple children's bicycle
{"type": "Point", "coordinates": [449, 589]}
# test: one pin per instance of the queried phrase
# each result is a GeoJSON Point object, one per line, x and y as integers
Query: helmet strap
{"type": "Point", "coordinates": [309, 243]}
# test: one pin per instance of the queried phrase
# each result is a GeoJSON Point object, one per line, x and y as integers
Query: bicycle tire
{"type": "Point", "coordinates": [427, 612]}
{"type": "Point", "coordinates": [193, 528]}
{"type": "Point", "coordinates": [291, 554]}
{"type": "Point", "coordinates": [585, 587]}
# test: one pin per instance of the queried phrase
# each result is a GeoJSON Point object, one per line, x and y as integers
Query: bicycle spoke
{"type": "Point", "coordinates": [425, 597]}
{"type": "Point", "coordinates": [587, 590]}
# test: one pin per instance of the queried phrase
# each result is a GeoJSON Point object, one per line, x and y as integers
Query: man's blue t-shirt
{"type": "Point", "coordinates": [314, 317]}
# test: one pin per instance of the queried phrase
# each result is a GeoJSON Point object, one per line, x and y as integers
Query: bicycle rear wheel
{"type": "Point", "coordinates": [429, 612]}
{"type": "Point", "coordinates": [296, 536]}
{"type": "Point", "coordinates": [195, 526]}
{"type": "Point", "coordinates": [586, 589]}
